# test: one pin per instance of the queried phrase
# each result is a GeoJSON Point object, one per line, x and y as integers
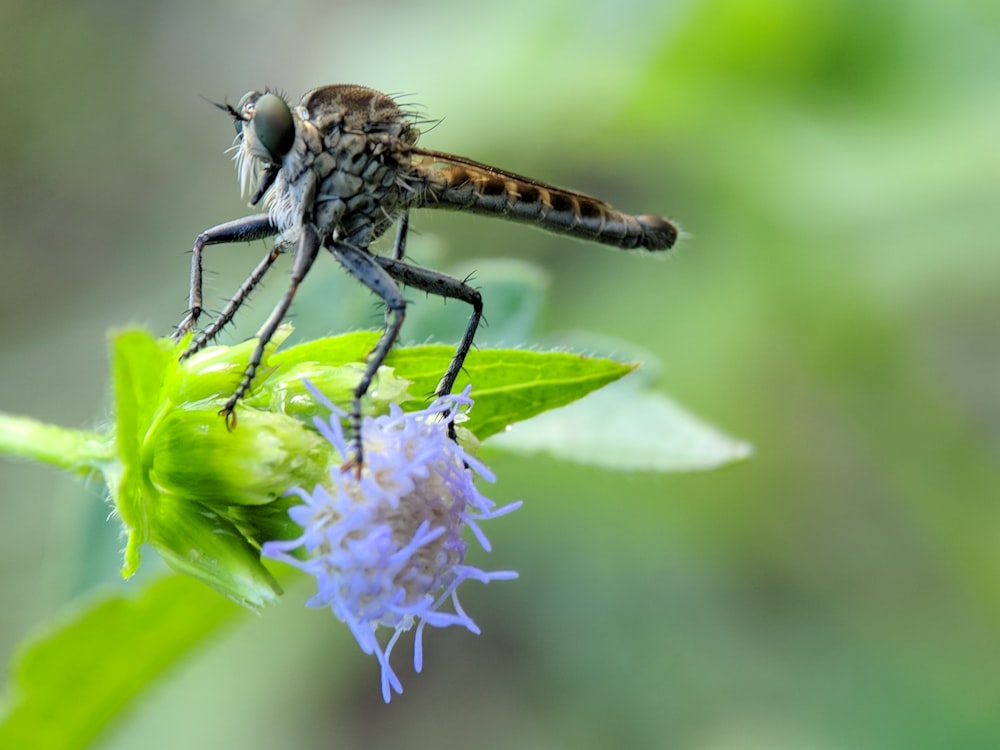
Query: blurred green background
{"type": "Point", "coordinates": [837, 165]}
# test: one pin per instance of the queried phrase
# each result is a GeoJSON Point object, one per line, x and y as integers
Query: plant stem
{"type": "Point", "coordinates": [79, 451]}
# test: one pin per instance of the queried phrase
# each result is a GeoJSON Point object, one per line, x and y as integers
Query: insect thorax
{"type": "Point", "coordinates": [347, 170]}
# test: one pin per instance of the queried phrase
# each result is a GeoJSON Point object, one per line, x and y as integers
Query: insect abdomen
{"type": "Point", "coordinates": [479, 189]}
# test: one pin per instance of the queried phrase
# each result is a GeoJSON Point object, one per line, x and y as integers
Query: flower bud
{"type": "Point", "coordinates": [190, 453]}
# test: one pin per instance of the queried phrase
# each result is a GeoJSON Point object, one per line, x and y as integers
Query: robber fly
{"type": "Point", "coordinates": [337, 171]}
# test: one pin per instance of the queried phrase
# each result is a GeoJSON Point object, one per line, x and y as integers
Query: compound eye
{"type": "Point", "coordinates": [272, 121]}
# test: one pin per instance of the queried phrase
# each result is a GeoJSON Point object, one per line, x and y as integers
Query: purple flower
{"type": "Point", "coordinates": [387, 548]}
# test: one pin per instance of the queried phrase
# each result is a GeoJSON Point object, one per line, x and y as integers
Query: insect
{"type": "Point", "coordinates": [337, 171]}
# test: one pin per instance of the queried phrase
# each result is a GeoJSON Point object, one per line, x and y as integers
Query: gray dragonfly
{"type": "Point", "coordinates": [337, 171]}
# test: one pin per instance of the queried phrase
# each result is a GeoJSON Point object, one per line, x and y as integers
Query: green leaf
{"type": "Point", "coordinates": [67, 685]}
{"type": "Point", "coordinates": [628, 429]}
{"type": "Point", "coordinates": [509, 385]}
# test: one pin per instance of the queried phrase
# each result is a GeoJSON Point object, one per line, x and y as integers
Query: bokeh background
{"type": "Point", "coordinates": [837, 165]}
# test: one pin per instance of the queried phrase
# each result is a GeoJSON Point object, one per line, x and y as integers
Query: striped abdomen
{"type": "Point", "coordinates": [452, 182]}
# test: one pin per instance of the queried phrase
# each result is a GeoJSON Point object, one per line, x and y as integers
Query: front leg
{"type": "Point", "coordinates": [241, 230]}
{"type": "Point", "coordinates": [223, 319]}
{"type": "Point", "coordinates": [305, 254]}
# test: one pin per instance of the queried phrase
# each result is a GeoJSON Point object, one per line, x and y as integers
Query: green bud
{"type": "Point", "coordinates": [217, 370]}
{"type": "Point", "coordinates": [191, 454]}
{"type": "Point", "coordinates": [286, 392]}
{"type": "Point", "coordinates": [206, 497]}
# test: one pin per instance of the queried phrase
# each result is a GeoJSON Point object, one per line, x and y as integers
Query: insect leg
{"type": "Point", "coordinates": [237, 300]}
{"type": "Point", "coordinates": [441, 285]}
{"type": "Point", "coordinates": [399, 246]}
{"type": "Point", "coordinates": [241, 230]}
{"type": "Point", "coordinates": [362, 266]}
{"type": "Point", "coordinates": [305, 254]}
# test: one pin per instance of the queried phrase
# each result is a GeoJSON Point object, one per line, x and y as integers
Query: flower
{"type": "Point", "coordinates": [386, 548]}
{"type": "Point", "coordinates": [203, 496]}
